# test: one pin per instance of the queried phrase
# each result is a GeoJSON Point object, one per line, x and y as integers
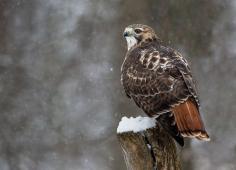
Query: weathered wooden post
{"type": "Point", "coordinates": [146, 146]}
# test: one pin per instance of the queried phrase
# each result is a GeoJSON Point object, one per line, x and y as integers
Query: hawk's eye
{"type": "Point", "coordinates": [137, 31]}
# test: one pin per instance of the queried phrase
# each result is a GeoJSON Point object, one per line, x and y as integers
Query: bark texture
{"type": "Point", "coordinates": [151, 149]}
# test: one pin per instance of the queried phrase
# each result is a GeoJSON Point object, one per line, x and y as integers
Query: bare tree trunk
{"type": "Point", "coordinates": [149, 150]}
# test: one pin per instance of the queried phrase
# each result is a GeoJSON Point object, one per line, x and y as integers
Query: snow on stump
{"type": "Point", "coordinates": [146, 146]}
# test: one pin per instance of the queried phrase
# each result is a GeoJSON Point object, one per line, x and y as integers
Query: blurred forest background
{"type": "Point", "coordinates": [61, 97]}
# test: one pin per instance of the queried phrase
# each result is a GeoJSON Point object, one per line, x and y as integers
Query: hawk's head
{"type": "Point", "coordinates": [137, 33]}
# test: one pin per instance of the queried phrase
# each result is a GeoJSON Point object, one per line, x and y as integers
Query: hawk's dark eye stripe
{"type": "Point", "coordinates": [137, 31]}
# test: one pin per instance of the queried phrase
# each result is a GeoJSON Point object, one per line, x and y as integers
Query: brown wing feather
{"type": "Point", "coordinates": [189, 121]}
{"type": "Point", "coordinates": [159, 80]}
{"type": "Point", "coordinates": [183, 68]}
{"type": "Point", "coordinates": [148, 76]}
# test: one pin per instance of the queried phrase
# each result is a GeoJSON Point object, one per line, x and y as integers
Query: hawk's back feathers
{"type": "Point", "coordinates": [159, 80]}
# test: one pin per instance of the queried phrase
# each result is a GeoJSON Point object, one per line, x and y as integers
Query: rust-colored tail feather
{"type": "Point", "coordinates": [189, 121]}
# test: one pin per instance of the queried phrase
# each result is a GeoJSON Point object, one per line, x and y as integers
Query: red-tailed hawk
{"type": "Point", "coordinates": [159, 81]}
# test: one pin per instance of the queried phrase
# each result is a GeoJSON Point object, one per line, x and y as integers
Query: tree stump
{"type": "Point", "coordinates": [146, 146]}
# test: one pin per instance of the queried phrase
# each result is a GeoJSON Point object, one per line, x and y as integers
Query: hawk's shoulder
{"type": "Point", "coordinates": [159, 76]}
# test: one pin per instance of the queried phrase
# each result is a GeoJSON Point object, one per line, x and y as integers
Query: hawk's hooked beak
{"type": "Point", "coordinates": [125, 34]}
{"type": "Point", "coordinates": [128, 32]}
